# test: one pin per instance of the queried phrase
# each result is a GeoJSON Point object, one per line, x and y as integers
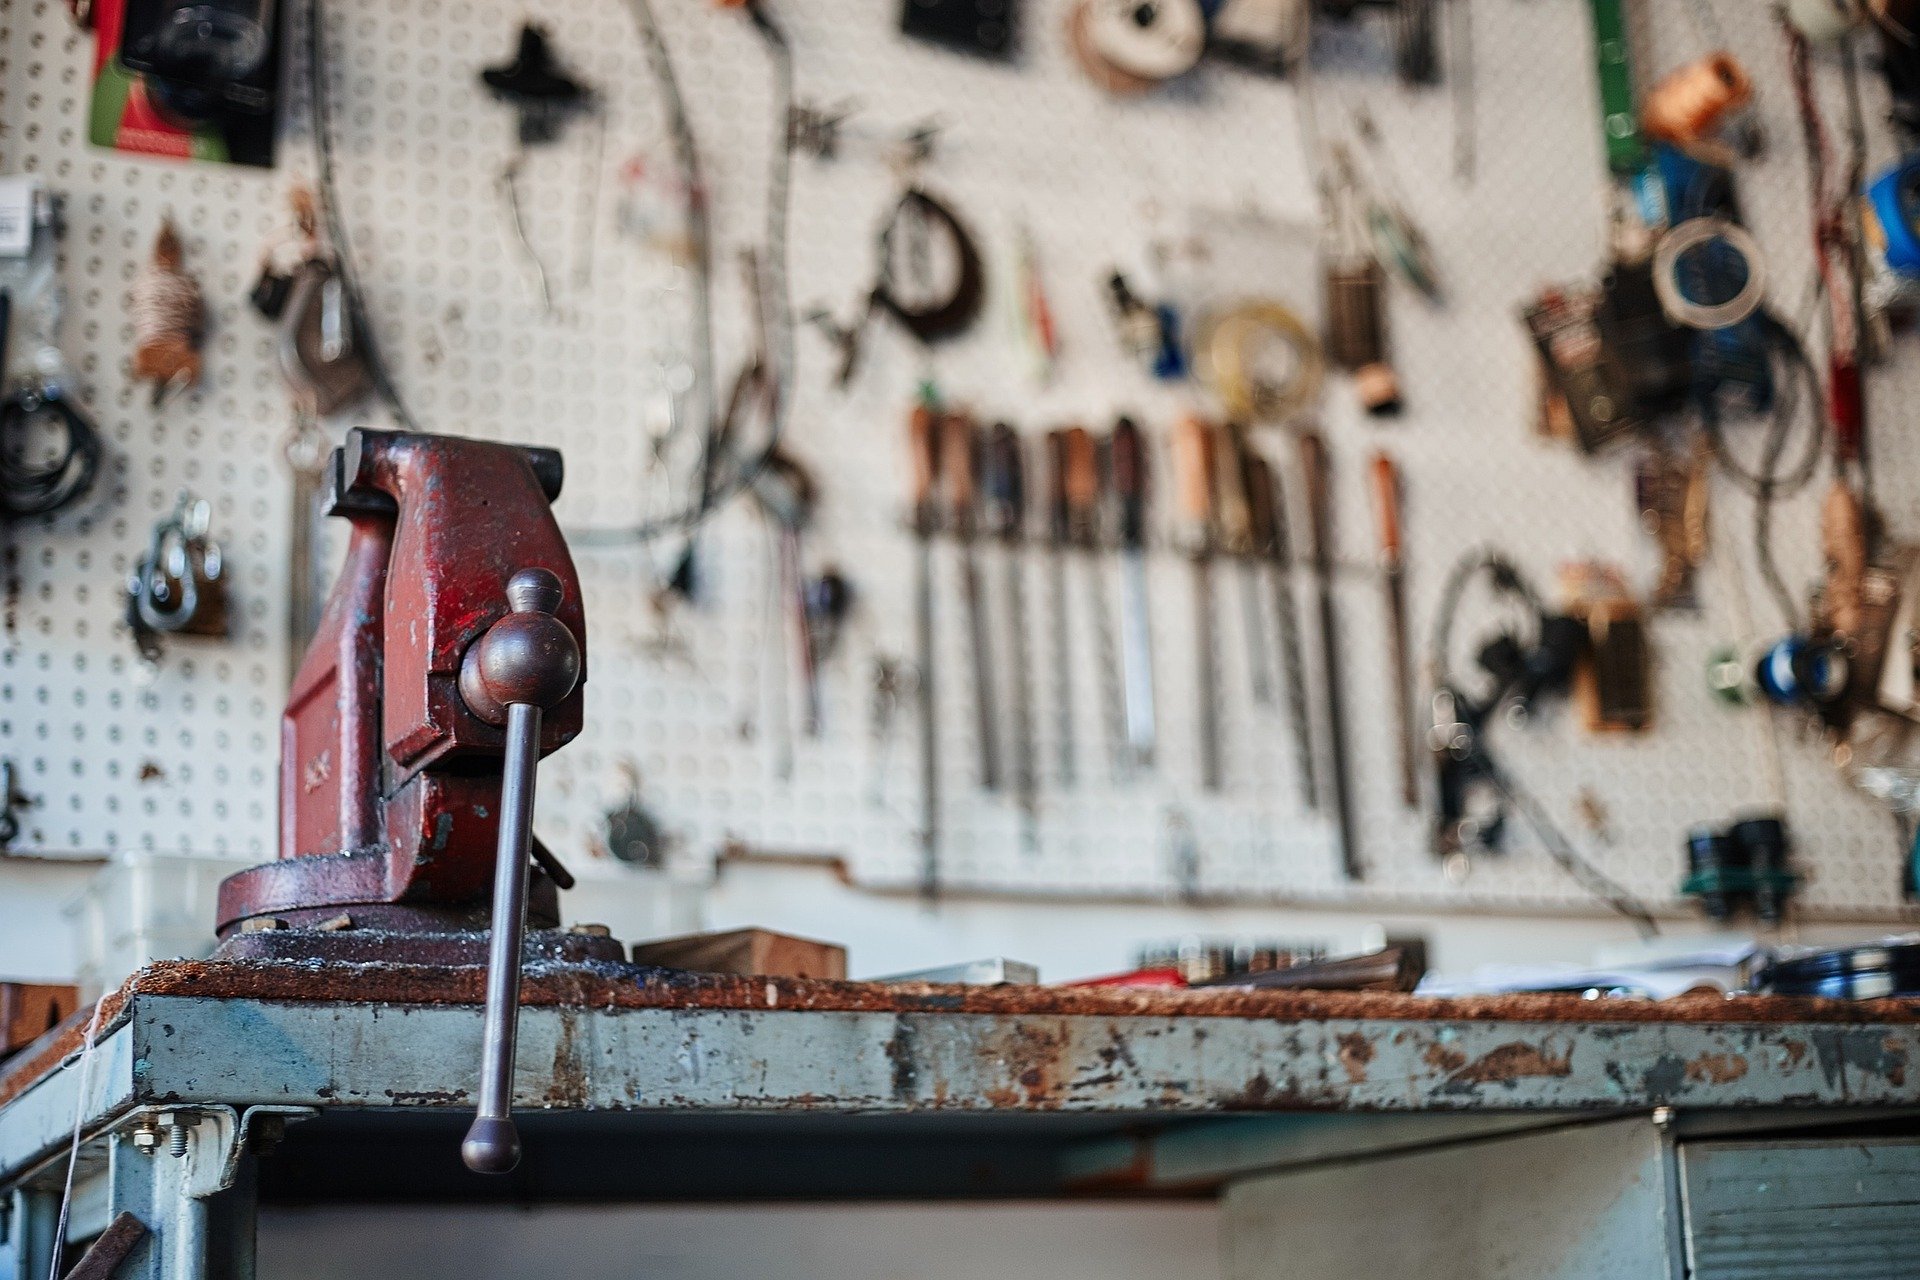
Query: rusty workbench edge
{"type": "Point", "coordinates": [631, 987]}
{"type": "Point", "coordinates": [637, 987]}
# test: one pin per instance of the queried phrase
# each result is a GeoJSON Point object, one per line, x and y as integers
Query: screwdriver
{"type": "Point", "coordinates": [1127, 462]}
{"type": "Point", "coordinates": [1268, 513]}
{"type": "Point", "coordinates": [924, 447]}
{"type": "Point", "coordinates": [1236, 539]}
{"type": "Point", "coordinates": [1006, 520]}
{"type": "Point", "coordinates": [1059, 536]}
{"type": "Point", "coordinates": [1386, 492]}
{"type": "Point", "coordinates": [1083, 529]}
{"type": "Point", "coordinates": [959, 451]}
{"type": "Point", "coordinates": [1193, 468]}
{"type": "Point", "coordinates": [1313, 468]}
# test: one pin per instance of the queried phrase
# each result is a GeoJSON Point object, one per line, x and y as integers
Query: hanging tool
{"type": "Point", "coordinates": [1128, 462]}
{"type": "Point", "coordinates": [180, 586]}
{"type": "Point", "coordinates": [543, 97]}
{"type": "Point", "coordinates": [1006, 520]}
{"type": "Point", "coordinates": [1313, 470]}
{"type": "Point", "coordinates": [1386, 493]}
{"type": "Point", "coordinates": [929, 316]}
{"type": "Point", "coordinates": [1272, 539]}
{"type": "Point", "coordinates": [1193, 469]}
{"type": "Point", "coordinates": [1059, 538]}
{"type": "Point", "coordinates": [169, 317]}
{"type": "Point", "coordinates": [1236, 539]}
{"type": "Point", "coordinates": [959, 458]}
{"type": "Point", "coordinates": [924, 449]}
{"type": "Point", "coordinates": [1084, 474]}
{"type": "Point", "coordinates": [785, 492]}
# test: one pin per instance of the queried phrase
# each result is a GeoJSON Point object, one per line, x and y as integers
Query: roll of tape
{"type": "Point", "coordinates": [1150, 39]}
{"type": "Point", "coordinates": [1228, 357]}
{"type": "Point", "coordinates": [1692, 234]}
{"type": "Point", "coordinates": [1894, 197]}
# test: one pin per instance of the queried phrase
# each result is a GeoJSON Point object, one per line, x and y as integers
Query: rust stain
{"type": "Point", "coordinates": [1515, 1061]}
{"type": "Point", "coordinates": [1356, 1051]}
{"type": "Point", "coordinates": [1716, 1068]}
{"type": "Point", "coordinates": [568, 1084]}
{"type": "Point", "coordinates": [1796, 1051]}
{"type": "Point", "coordinates": [1442, 1058]}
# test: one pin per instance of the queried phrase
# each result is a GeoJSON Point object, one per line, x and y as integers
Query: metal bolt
{"type": "Point", "coordinates": [178, 1128]}
{"type": "Point", "coordinates": [262, 924]}
{"type": "Point", "coordinates": [1663, 1116]}
{"type": "Point", "coordinates": [145, 1139]}
{"type": "Point", "coordinates": [591, 930]}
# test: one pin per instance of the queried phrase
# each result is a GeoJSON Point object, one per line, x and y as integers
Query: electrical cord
{"type": "Point", "coordinates": [710, 496]}
{"type": "Point", "coordinates": [42, 488]}
{"type": "Point", "coordinates": [1767, 483]}
{"type": "Point", "coordinates": [1508, 580]}
{"type": "Point", "coordinates": [718, 484]}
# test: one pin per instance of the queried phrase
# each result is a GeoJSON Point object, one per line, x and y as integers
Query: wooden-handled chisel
{"type": "Point", "coordinates": [1193, 469]}
{"type": "Point", "coordinates": [1313, 469]}
{"type": "Point", "coordinates": [1386, 493]}
{"type": "Point", "coordinates": [1127, 462]}
{"type": "Point", "coordinates": [1006, 487]}
{"type": "Point", "coordinates": [1272, 539]}
{"type": "Point", "coordinates": [924, 448]}
{"type": "Point", "coordinates": [959, 456]}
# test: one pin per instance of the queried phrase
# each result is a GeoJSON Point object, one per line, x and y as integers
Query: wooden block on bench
{"type": "Point", "coordinates": [761, 952]}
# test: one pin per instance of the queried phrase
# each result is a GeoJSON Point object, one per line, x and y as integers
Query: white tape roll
{"type": "Point", "coordinates": [1152, 39]}
{"type": "Point", "coordinates": [1691, 234]}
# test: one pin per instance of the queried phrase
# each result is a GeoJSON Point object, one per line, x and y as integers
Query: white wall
{"type": "Point", "coordinates": [1130, 1241]}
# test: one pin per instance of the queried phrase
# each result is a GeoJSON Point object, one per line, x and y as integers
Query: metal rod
{"type": "Point", "coordinates": [929, 735]}
{"type": "Point", "coordinates": [492, 1145]}
{"type": "Point", "coordinates": [1136, 653]}
{"type": "Point", "coordinates": [1206, 671]}
{"type": "Point", "coordinates": [1062, 660]}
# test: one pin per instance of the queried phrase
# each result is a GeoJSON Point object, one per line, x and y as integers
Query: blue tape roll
{"type": "Point", "coordinates": [1895, 199]}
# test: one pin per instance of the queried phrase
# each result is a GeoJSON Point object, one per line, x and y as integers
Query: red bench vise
{"type": "Point", "coordinates": [390, 774]}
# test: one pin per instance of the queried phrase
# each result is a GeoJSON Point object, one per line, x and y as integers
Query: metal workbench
{"type": "Point", "coordinates": [214, 1086]}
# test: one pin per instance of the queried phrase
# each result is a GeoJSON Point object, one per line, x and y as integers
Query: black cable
{"type": "Point", "coordinates": [715, 485]}
{"type": "Point", "coordinates": [1767, 484]}
{"type": "Point", "coordinates": [38, 489]}
{"type": "Point", "coordinates": [1505, 578]}
{"type": "Point", "coordinates": [1568, 859]}
{"type": "Point", "coordinates": [1508, 581]}
{"type": "Point", "coordinates": [776, 257]}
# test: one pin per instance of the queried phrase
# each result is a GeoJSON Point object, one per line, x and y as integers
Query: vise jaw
{"type": "Point", "coordinates": [390, 782]}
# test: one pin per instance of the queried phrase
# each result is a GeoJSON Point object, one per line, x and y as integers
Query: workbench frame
{"type": "Point", "coordinates": [198, 1068]}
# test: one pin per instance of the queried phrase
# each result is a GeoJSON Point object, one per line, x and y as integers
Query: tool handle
{"type": "Point", "coordinates": [959, 441]}
{"type": "Point", "coordinates": [1193, 464]}
{"type": "Point", "coordinates": [1386, 493]}
{"type": "Point", "coordinates": [1059, 519]}
{"type": "Point", "coordinates": [923, 439]}
{"type": "Point", "coordinates": [1082, 483]}
{"type": "Point", "coordinates": [1313, 469]}
{"type": "Point", "coordinates": [525, 663]}
{"type": "Point", "coordinates": [1006, 482]}
{"type": "Point", "coordinates": [1260, 502]}
{"type": "Point", "coordinates": [1230, 489]}
{"type": "Point", "coordinates": [1127, 462]}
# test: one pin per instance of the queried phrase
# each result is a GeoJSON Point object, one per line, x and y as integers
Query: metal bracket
{"type": "Point", "coordinates": [211, 1138]}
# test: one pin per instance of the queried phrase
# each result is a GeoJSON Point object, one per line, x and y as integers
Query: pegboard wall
{"type": "Point", "coordinates": [689, 700]}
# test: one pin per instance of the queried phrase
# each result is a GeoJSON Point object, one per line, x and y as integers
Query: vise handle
{"type": "Point", "coordinates": [526, 663]}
